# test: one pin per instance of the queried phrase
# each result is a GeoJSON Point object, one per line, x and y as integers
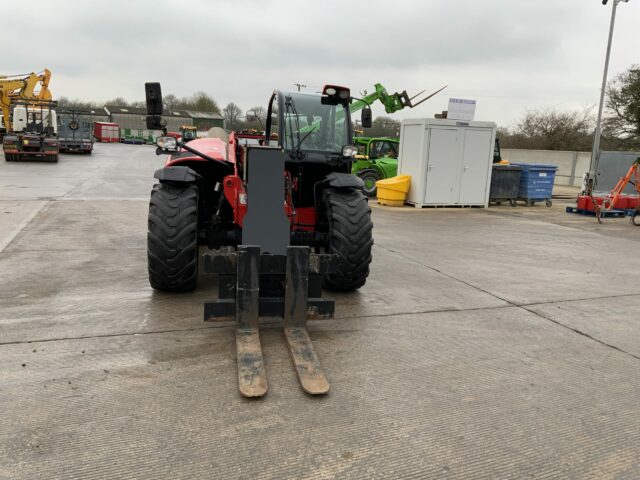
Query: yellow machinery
{"type": "Point", "coordinates": [188, 133]}
{"type": "Point", "coordinates": [28, 119]}
{"type": "Point", "coordinates": [22, 87]}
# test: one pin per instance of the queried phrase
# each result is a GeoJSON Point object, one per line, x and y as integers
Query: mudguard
{"type": "Point", "coordinates": [343, 180]}
{"type": "Point", "coordinates": [177, 174]}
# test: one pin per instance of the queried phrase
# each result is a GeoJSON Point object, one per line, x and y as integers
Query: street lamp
{"type": "Point", "coordinates": [595, 152]}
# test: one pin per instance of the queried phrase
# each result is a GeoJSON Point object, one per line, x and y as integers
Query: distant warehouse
{"type": "Point", "coordinates": [135, 118]}
{"type": "Point", "coordinates": [205, 120]}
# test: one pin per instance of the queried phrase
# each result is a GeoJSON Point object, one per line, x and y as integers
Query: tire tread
{"type": "Point", "coordinates": [350, 237]}
{"type": "Point", "coordinates": [172, 238]}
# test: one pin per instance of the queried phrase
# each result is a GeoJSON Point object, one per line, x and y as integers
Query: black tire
{"type": "Point", "coordinates": [512, 203]}
{"type": "Point", "coordinates": [548, 203]}
{"type": "Point", "coordinates": [172, 238]}
{"type": "Point", "coordinates": [350, 237]}
{"type": "Point", "coordinates": [369, 177]}
{"type": "Point", "coordinates": [635, 219]}
{"type": "Point", "coordinates": [8, 157]}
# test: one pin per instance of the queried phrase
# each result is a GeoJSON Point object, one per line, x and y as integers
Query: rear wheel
{"type": "Point", "coordinates": [350, 237]}
{"type": "Point", "coordinates": [369, 177]}
{"type": "Point", "coordinates": [172, 238]}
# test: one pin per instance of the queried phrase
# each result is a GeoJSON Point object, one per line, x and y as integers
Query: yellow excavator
{"type": "Point", "coordinates": [30, 94]}
{"type": "Point", "coordinates": [22, 87]}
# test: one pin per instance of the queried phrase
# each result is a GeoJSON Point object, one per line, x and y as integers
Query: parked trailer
{"type": "Point", "coordinates": [106, 132]}
{"type": "Point", "coordinates": [75, 132]}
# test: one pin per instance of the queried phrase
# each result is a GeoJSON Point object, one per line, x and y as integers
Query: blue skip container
{"type": "Point", "coordinates": [536, 182]}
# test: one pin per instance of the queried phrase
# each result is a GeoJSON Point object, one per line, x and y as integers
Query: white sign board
{"type": "Point", "coordinates": [461, 109]}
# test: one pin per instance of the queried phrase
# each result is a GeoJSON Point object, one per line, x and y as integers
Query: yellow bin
{"type": "Point", "coordinates": [393, 191]}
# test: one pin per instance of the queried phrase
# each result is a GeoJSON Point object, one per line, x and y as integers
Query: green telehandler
{"type": "Point", "coordinates": [377, 158]}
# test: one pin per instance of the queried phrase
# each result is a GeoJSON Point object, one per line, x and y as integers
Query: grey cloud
{"type": "Point", "coordinates": [510, 54]}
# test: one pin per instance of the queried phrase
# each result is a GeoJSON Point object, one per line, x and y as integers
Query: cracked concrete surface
{"type": "Point", "coordinates": [498, 343]}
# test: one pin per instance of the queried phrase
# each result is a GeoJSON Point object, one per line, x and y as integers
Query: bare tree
{"type": "Point", "coordinates": [232, 114]}
{"type": "Point", "coordinates": [119, 101]}
{"type": "Point", "coordinates": [170, 101]}
{"type": "Point", "coordinates": [260, 112]}
{"type": "Point", "coordinates": [385, 122]}
{"type": "Point", "coordinates": [551, 129]}
{"type": "Point", "coordinates": [199, 101]}
{"type": "Point", "coordinates": [383, 126]}
{"type": "Point", "coordinates": [202, 102]}
{"type": "Point", "coordinates": [623, 101]}
{"type": "Point", "coordinates": [65, 103]}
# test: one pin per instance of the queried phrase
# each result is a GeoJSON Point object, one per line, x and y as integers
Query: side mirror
{"type": "Point", "coordinates": [366, 117]}
{"type": "Point", "coordinates": [153, 94]}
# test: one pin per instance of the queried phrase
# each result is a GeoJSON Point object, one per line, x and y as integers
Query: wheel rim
{"type": "Point", "coordinates": [369, 184]}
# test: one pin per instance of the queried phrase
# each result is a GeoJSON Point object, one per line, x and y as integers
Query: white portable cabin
{"type": "Point", "coordinates": [449, 161]}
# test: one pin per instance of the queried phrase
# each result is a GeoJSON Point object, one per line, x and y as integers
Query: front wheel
{"type": "Point", "coordinates": [369, 177]}
{"type": "Point", "coordinates": [350, 237]}
{"type": "Point", "coordinates": [172, 238]}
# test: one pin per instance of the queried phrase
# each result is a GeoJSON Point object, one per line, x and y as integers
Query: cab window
{"type": "Point", "coordinates": [383, 148]}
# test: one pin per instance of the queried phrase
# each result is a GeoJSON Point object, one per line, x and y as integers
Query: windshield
{"type": "Point", "coordinates": [312, 126]}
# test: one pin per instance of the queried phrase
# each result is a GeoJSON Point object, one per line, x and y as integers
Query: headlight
{"type": "Point", "coordinates": [166, 143]}
{"type": "Point", "coordinates": [349, 151]}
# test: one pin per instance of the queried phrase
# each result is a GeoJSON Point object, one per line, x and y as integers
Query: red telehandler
{"type": "Point", "coordinates": [281, 219]}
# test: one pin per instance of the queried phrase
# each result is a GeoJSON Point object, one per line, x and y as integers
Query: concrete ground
{"type": "Point", "coordinates": [487, 344]}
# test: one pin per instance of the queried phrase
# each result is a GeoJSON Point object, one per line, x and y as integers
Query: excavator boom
{"type": "Point", "coordinates": [22, 87]}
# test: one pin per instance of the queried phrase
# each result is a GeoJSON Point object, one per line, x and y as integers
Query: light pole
{"type": "Point", "coordinates": [595, 152]}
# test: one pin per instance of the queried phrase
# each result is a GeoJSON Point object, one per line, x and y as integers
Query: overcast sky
{"type": "Point", "coordinates": [509, 55]}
